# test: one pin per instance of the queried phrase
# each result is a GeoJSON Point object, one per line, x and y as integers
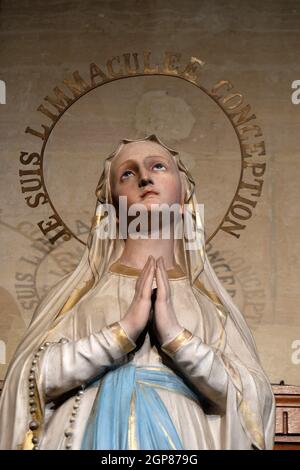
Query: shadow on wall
{"type": "Point", "coordinates": [12, 327]}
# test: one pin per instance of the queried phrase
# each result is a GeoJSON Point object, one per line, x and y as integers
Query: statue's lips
{"type": "Point", "coordinates": [149, 193]}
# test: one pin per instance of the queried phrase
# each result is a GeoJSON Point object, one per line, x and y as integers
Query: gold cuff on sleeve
{"type": "Point", "coordinates": [176, 343]}
{"type": "Point", "coordinates": [121, 336]}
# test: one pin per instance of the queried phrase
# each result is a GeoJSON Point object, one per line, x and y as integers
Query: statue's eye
{"type": "Point", "coordinates": [161, 164]}
{"type": "Point", "coordinates": [125, 172]}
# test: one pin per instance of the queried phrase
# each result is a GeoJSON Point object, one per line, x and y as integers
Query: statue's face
{"type": "Point", "coordinates": [143, 166]}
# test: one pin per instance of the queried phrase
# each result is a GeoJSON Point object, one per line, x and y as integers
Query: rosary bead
{"type": "Point", "coordinates": [68, 433]}
{"type": "Point", "coordinates": [63, 340]}
{"type": "Point", "coordinates": [33, 425]}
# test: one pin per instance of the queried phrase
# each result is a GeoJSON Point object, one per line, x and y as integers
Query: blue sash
{"type": "Point", "coordinates": [128, 413]}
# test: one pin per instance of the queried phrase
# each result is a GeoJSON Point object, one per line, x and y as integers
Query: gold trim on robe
{"type": "Point", "coordinates": [170, 347]}
{"type": "Point", "coordinates": [118, 267]}
{"type": "Point", "coordinates": [122, 338]}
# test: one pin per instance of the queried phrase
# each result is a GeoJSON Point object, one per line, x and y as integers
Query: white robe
{"type": "Point", "coordinates": [240, 408]}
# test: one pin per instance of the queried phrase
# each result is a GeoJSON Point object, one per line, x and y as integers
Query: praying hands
{"type": "Point", "coordinates": [164, 319]}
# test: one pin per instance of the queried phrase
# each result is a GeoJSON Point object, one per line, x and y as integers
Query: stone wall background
{"type": "Point", "coordinates": [252, 44]}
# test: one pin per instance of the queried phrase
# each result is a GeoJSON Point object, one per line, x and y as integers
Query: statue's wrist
{"type": "Point", "coordinates": [170, 331]}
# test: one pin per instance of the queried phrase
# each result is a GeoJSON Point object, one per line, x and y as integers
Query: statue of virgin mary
{"type": "Point", "coordinates": [102, 366]}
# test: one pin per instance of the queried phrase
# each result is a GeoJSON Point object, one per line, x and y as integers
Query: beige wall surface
{"type": "Point", "coordinates": [252, 46]}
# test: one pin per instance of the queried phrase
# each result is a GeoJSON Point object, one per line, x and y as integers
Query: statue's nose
{"type": "Point", "coordinates": [144, 181]}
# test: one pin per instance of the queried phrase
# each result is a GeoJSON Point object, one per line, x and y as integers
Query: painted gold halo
{"type": "Point", "coordinates": [229, 101]}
